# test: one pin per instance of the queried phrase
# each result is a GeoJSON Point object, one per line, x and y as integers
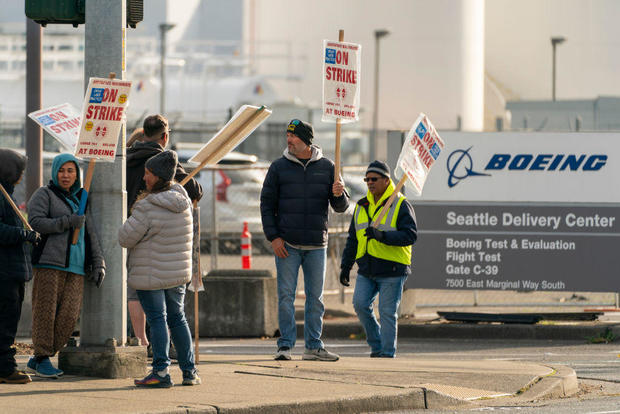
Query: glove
{"type": "Point", "coordinates": [344, 277]}
{"type": "Point", "coordinates": [97, 276]}
{"type": "Point", "coordinates": [374, 233]}
{"type": "Point", "coordinates": [76, 221]}
{"type": "Point", "coordinates": [33, 237]}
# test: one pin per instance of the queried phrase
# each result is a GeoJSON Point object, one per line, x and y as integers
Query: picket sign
{"type": "Point", "coordinates": [98, 120]}
{"type": "Point", "coordinates": [14, 207]}
{"type": "Point", "coordinates": [420, 150]}
{"type": "Point", "coordinates": [341, 86]}
{"type": "Point", "coordinates": [60, 121]}
{"type": "Point", "coordinates": [242, 124]}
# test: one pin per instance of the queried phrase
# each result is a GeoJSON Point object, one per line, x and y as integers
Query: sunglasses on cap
{"type": "Point", "coordinates": [371, 179]}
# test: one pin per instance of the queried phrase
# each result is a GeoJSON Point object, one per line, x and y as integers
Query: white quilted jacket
{"type": "Point", "coordinates": [159, 235]}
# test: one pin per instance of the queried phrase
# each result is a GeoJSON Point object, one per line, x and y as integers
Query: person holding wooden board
{"type": "Point", "coordinates": [15, 267]}
{"type": "Point", "coordinates": [383, 256]}
{"type": "Point", "coordinates": [59, 266]}
{"type": "Point", "coordinates": [154, 137]}
{"type": "Point", "coordinates": [297, 191]}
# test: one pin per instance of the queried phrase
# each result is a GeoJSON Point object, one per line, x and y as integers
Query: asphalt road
{"type": "Point", "coordinates": [597, 367]}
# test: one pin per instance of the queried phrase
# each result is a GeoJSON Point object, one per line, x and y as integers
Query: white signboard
{"type": "Point", "coordinates": [103, 115]}
{"type": "Point", "coordinates": [534, 211]}
{"type": "Point", "coordinates": [60, 121]}
{"type": "Point", "coordinates": [421, 148]}
{"type": "Point", "coordinates": [526, 166]}
{"type": "Point", "coordinates": [341, 81]}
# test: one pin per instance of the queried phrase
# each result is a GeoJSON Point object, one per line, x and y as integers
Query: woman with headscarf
{"type": "Point", "coordinates": [159, 236]}
{"type": "Point", "coordinates": [15, 267]}
{"type": "Point", "coordinates": [59, 265]}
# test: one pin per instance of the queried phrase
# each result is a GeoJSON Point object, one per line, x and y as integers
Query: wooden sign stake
{"type": "Point", "coordinates": [19, 214]}
{"type": "Point", "coordinates": [388, 204]}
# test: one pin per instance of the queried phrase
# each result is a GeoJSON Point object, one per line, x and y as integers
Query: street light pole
{"type": "Point", "coordinates": [379, 33]}
{"type": "Point", "coordinates": [554, 42]}
{"type": "Point", "coordinates": [34, 134]}
{"type": "Point", "coordinates": [163, 29]}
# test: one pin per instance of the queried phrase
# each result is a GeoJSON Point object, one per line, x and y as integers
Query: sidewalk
{"type": "Point", "coordinates": [258, 384]}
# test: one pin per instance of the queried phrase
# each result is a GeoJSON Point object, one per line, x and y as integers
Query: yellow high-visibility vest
{"type": "Point", "coordinates": [398, 254]}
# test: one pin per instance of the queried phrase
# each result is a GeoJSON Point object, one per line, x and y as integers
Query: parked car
{"type": "Point", "coordinates": [236, 188]}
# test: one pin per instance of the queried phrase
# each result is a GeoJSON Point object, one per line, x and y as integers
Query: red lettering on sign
{"type": "Point", "coordinates": [341, 75]}
{"type": "Point", "coordinates": [109, 95]}
{"type": "Point", "coordinates": [342, 58]}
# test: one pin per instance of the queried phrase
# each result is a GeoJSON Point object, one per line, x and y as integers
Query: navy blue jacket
{"type": "Point", "coordinates": [406, 233]}
{"type": "Point", "coordinates": [14, 251]}
{"type": "Point", "coordinates": [295, 198]}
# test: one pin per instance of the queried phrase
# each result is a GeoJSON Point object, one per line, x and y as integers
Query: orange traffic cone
{"type": "Point", "coordinates": [246, 247]}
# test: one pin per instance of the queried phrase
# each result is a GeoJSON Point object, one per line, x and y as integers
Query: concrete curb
{"type": "Point", "coordinates": [562, 383]}
{"type": "Point", "coordinates": [410, 399]}
{"type": "Point", "coordinates": [342, 330]}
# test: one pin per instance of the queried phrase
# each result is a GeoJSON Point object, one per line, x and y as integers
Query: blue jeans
{"type": "Point", "coordinates": [313, 264]}
{"type": "Point", "coordinates": [381, 338]}
{"type": "Point", "coordinates": [164, 308]}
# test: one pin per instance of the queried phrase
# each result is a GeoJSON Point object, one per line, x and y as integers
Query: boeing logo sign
{"type": "Point", "coordinates": [460, 166]}
{"type": "Point", "coordinates": [460, 163]}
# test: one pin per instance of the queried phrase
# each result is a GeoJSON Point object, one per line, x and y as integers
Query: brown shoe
{"type": "Point", "coordinates": [17, 377]}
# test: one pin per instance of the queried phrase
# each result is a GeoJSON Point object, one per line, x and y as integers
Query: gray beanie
{"type": "Point", "coordinates": [163, 165]}
{"type": "Point", "coordinates": [379, 167]}
{"type": "Point", "coordinates": [12, 164]}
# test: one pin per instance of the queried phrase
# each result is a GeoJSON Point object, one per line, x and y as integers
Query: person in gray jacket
{"type": "Point", "coordinates": [59, 265]}
{"type": "Point", "coordinates": [159, 236]}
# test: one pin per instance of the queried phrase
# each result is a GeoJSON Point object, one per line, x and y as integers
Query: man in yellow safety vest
{"type": "Point", "coordinates": [383, 256]}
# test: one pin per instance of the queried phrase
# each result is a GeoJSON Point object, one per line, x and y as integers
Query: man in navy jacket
{"type": "Point", "coordinates": [296, 193]}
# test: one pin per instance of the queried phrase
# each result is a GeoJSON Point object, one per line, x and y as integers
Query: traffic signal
{"type": "Point", "coordinates": [74, 11]}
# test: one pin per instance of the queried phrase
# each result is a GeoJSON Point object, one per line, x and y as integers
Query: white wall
{"type": "Point", "coordinates": [518, 47]}
{"type": "Point", "coordinates": [432, 61]}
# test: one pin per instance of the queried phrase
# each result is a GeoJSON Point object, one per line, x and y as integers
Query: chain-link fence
{"type": "Point", "coordinates": [232, 197]}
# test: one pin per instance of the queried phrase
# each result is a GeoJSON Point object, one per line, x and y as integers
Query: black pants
{"type": "Point", "coordinates": [11, 298]}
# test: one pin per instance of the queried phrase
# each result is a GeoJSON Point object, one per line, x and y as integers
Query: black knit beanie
{"type": "Point", "coordinates": [12, 165]}
{"type": "Point", "coordinates": [379, 167]}
{"type": "Point", "coordinates": [163, 165]}
{"type": "Point", "coordinates": [302, 130]}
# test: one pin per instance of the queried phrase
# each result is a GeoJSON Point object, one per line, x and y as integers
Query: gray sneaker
{"type": "Point", "coordinates": [283, 354]}
{"type": "Point", "coordinates": [319, 354]}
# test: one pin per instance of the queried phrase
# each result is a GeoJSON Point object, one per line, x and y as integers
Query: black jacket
{"type": "Point", "coordinates": [14, 250]}
{"type": "Point", "coordinates": [406, 233]}
{"type": "Point", "coordinates": [295, 198]}
{"type": "Point", "coordinates": [137, 155]}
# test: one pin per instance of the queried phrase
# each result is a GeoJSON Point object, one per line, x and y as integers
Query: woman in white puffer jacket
{"type": "Point", "coordinates": [159, 235]}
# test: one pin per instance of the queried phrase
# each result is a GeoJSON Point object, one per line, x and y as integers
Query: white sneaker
{"type": "Point", "coordinates": [283, 354]}
{"type": "Point", "coordinates": [319, 354]}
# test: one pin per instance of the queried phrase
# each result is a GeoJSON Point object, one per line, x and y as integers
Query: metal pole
{"type": "Point", "coordinates": [162, 69]}
{"type": "Point", "coordinates": [34, 134]}
{"type": "Point", "coordinates": [214, 238]}
{"type": "Point", "coordinates": [104, 313]}
{"type": "Point", "coordinates": [375, 111]}
{"type": "Point", "coordinates": [553, 44]}
{"type": "Point", "coordinates": [375, 117]}
{"type": "Point", "coordinates": [163, 29]}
